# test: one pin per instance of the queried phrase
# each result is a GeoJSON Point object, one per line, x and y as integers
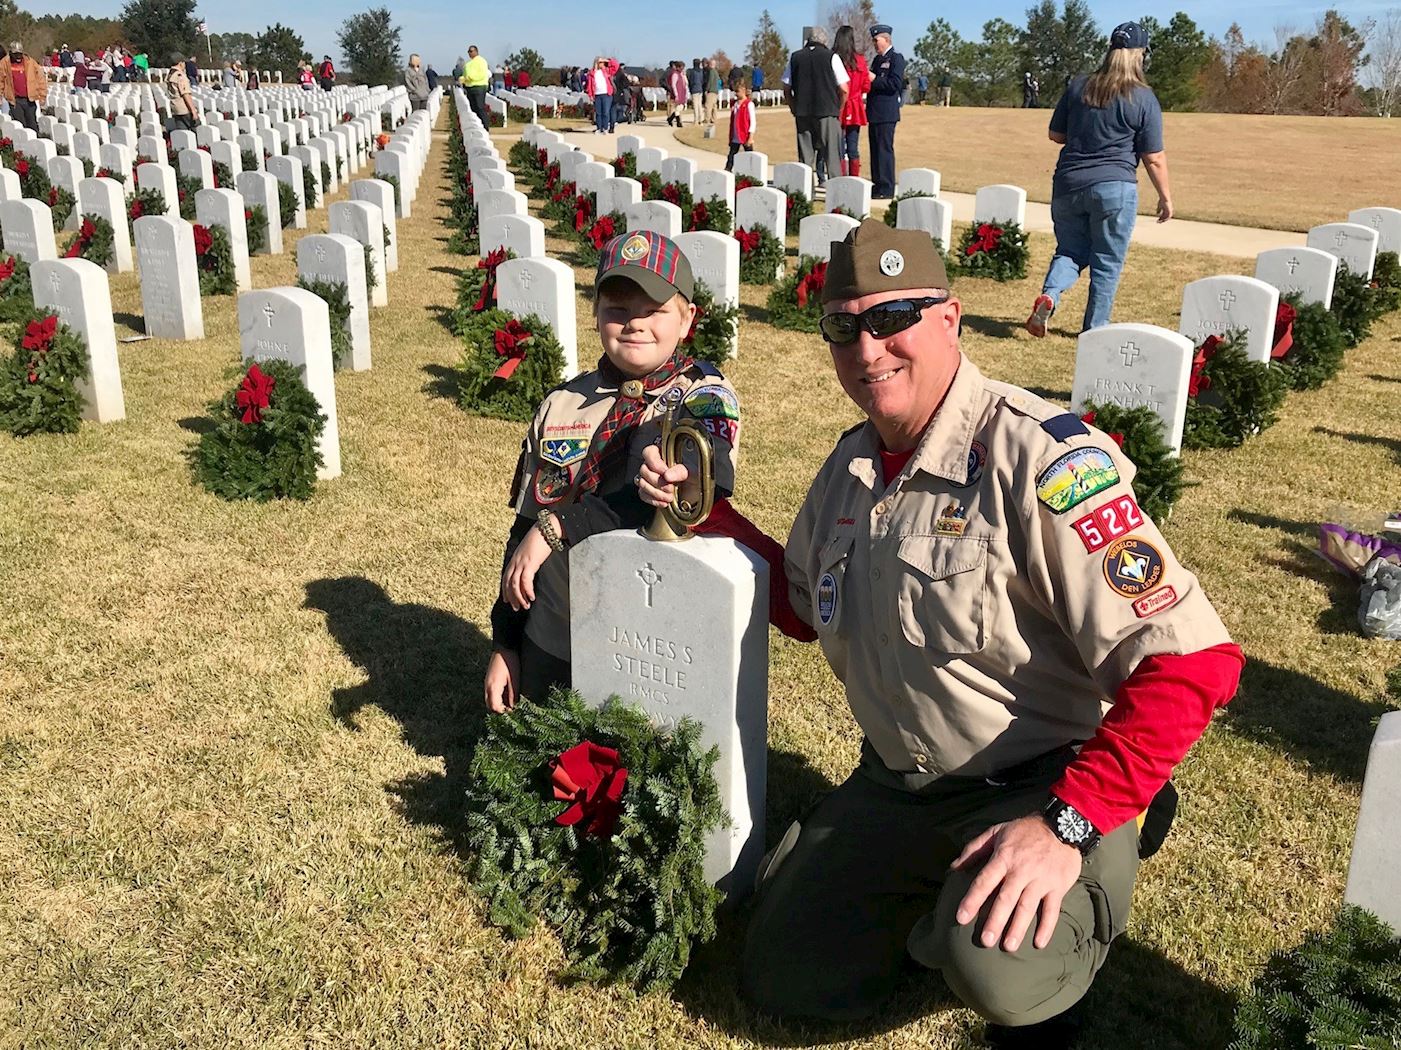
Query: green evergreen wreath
{"type": "Point", "coordinates": [1386, 279]}
{"type": "Point", "coordinates": [108, 173]}
{"type": "Point", "coordinates": [710, 213]}
{"type": "Point", "coordinates": [16, 292]}
{"type": "Point", "coordinates": [309, 194]}
{"type": "Point", "coordinates": [1232, 396]}
{"type": "Point", "coordinates": [33, 179]}
{"type": "Point", "coordinates": [61, 205]}
{"type": "Point", "coordinates": [93, 241]}
{"type": "Point", "coordinates": [186, 187]}
{"type": "Point", "coordinates": [1356, 305]}
{"type": "Point", "coordinates": [1317, 352]}
{"type": "Point", "coordinates": [249, 160]}
{"type": "Point", "coordinates": [255, 218]}
{"type": "Point", "coordinates": [393, 180]}
{"type": "Point", "coordinates": [1159, 481]}
{"type": "Point", "coordinates": [761, 256]}
{"type": "Point", "coordinates": [561, 202]}
{"type": "Point", "coordinates": [223, 176]}
{"type": "Point", "coordinates": [371, 281]}
{"type": "Point", "coordinates": [625, 165]}
{"type": "Point", "coordinates": [88, 166]}
{"type": "Point", "coordinates": [892, 210]}
{"type": "Point", "coordinates": [785, 311]}
{"type": "Point", "coordinates": [214, 257]}
{"type": "Point", "coordinates": [679, 194]}
{"type": "Point", "coordinates": [521, 156]}
{"type": "Point", "coordinates": [146, 202]}
{"type": "Point", "coordinates": [712, 333]}
{"type": "Point", "coordinates": [337, 299]}
{"type": "Point", "coordinates": [325, 174]}
{"type": "Point", "coordinates": [996, 250]}
{"type": "Point", "coordinates": [628, 903]}
{"type": "Point", "coordinates": [38, 384]}
{"type": "Point", "coordinates": [1339, 990]}
{"type": "Point", "coordinates": [798, 208]}
{"type": "Point", "coordinates": [480, 391]}
{"type": "Point", "coordinates": [472, 297]}
{"type": "Point", "coordinates": [286, 205]}
{"type": "Point", "coordinates": [263, 445]}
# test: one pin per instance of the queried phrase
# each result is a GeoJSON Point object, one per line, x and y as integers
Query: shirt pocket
{"type": "Point", "coordinates": [943, 592]}
{"type": "Point", "coordinates": [829, 595]}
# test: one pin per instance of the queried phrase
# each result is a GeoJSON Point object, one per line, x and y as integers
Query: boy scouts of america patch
{"type": "Point", "coordinates": [552, 484]}
{"type": "Point", "coordinates": [712, 402]}
{"type": "Point", "coordinates": [1075, 477]}
{"type": "Point", "coordinates": [1132, 567]}
{"type": "Point", "coordinates": [564, 451]}
{"type": "Point", "coordinates": [634, 248]}
{"type": "Point", "coordinates": [977, 459]}
{"type": "Point", "coordinates": [952, 520]}
{"type": "Point", "coordinates": [827, 599]}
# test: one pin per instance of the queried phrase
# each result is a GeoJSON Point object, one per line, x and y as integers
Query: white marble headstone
{"type": "Point", "coordinates": [618, 195]}
{"type": "Point", "coordinates": [160, 177]}
{"type": "Point", "coordinates": [104, 197]}
{"type": "Point", "coordinates": [649, 160]}
{"type": "Point", "coordinates": [793, 177]}
{"type": "Point", "coordinates": [225, 208]}
{"type": "Point", "coordinates": [714, 259]}
{"type": "Point", "coordinates": [77, 291]}
{"type": "Point", "coordinates": [850, 193]}
{"type": "Point", "coordinates": [714, 185]}
{"type": "Point", "coordinates": [761, 206]}
{"type": "Point", "coordinates": [165, 255]}
{"type": "Point", "coordinates": [918, 180]}
{"type": "Point", "coordinates": [679, 170]}
{"type": "Point", "coordinates": [522, 234]}
{"type": "Point", "coordinates": [590, 175]}
{"type": "Point", "coordinates": [755, 165]}
{"type": "Point", "coordinates": [362, 221]}
{"type": "Point", "coordinates": [501, 202]}
{"type": "Point", "coordinates": [288, 171]}
{"type": "Point", "coordinates": [338, 259]}
{"type": "Point", "coordinates": [1307, 272]}
{"type": "Point", "coordinates": [1000, 203]}
{"type": "Point", "coordinates": [1216, 305]}
{"type": "Point", "coordinates": [544, 287]}
{"type": "Point", "coordinates": [381, 195]}
{"type": "Point", "coordinates": [395, 164]}
{"type": "Point", "coordinates": [661, 216]}
{"type": "Point", "coordinates": [1133, 365]}
{"type": "Point", "coordinates": [1353, 244]}
{"type": "Point", "coordinates": [311, 162]}
{"type": "Point", "coordinates": [817, 232]}
{"type": "Point", "coordinates": [933, 216]}
{"type": "Point", "coordinates": [293, 325]}
{"type": "Point", "coordinates": [1387, 223]}
{"type": "Point", "coordinates": [258, 188]}
{"type": "Point", "coordinates": [66, 173]}
{"type": "Point", "coordinates": [28, 230]}
{"type": "Point", "coordinates": [1374, 874]}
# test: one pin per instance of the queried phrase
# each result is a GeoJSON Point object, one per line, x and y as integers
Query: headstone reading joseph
{"type": "Point", "coordinates": [1133, 365]}
{"type": "Point", "coordinates": [681, 630]}
{"type": "Point", "coordinates": [77, 291]}
{"type": "Point", "coordinates": [1218, 305]}
{"type": "Point", "coordinates": [293, 325]}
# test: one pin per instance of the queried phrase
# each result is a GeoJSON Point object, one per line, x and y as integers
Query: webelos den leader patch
{"type": "Point", "coordinates": [1133, 567]}
{"type": "Point", "coordinates": [1075, 477]}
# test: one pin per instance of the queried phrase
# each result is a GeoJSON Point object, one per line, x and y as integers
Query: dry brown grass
{"type": "Point", "coordinates": [1284, 173]}
{"type": "Point", "coordinates": [232, 737]}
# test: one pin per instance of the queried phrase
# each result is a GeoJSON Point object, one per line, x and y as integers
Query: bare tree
{"type": "Point", "coordinates": [859, 14]}
{"type": "Point", "coordinates": [1384, 68]}
{"type": "Point", "coordinates": [1285, 70]}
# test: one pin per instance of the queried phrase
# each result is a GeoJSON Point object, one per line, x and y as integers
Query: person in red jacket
{"type": "Point", "coordinates": [1025, 656]}
{"type": "Point", "coordinates": [326, 73]}
{"type": "Point", "coordinates": [741, 124]}
{"type": "Point", "coordinates": [853, 115]}
{"type": "Point", "coordinates": [523, 79]}
{"type": "Point", "coordinates": [598, 85]}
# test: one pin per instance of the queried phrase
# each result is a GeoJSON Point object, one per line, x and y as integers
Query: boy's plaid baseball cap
{"type": "Point", "coordinates": [651, 261]}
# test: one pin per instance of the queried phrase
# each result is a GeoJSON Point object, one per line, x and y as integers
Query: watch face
{"type": "Point", "coordinates": [1071, 826]}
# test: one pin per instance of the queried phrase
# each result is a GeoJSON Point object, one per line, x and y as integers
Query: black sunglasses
{"type": "Point", "coordinates": [882, 320]}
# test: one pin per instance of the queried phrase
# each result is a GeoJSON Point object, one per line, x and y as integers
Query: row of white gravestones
{"type": "Point", "coordinates": [334, 258]}
{"type": "Point", "coordinates": [1134, 365]}
{"type": "Point", "coordinates": [1000, 204]}
{"type": "Point", "coordinates": [851, 194]}
{"type": "Point", "coordinates": [1387, 223]}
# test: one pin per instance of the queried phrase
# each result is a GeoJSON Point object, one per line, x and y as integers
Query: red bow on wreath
{"type": "Point", "coordinates": [7, 268]}
{"type": "Point", "coordinates": [53, 196]}
{"type": "Point", "coordinates": [81, 242]}
{"type": "Point", "coordinates": [987, 239]}
{"type": "Point", "coordinates": [510, 344]}
{"type": "Point", "coordinates": [39, 335]}
{"type": "Point", "coordinates": [204, 240]}
{"type": "Point", "coordinates": [136, 210]}
{"type": "Point", "coordinates": [1115, 436]}
{"type": "Point", "coordinates": [1199, 380]}
{"type": "Point", "coordinates": [1284, 330]}
{"type": "Point", "coordinates": [700, 216]}
{"type": "Point", "coordinates": [541, 158]}
{"type": "Point", "coordinates": [592, 780]}
{"type": "Point", "coordinates": [646, 181]}
{"type": "Point", "coordinates": [671, 194]}
{"type": "Point", "coordinates": [620, 164]}
{"type": "Point", "coordinates": [583, 212]}
{"type": "Point", "coordinates": [489, 264]}
{"type": "Point", "coordinates": [254, 394]}
{"type": "Point", "coordinates": [601, 232]}
{"type": "Point", "coordinates": [744, 182]}
{"type": "Point", "coordinates": [22, 168]}
{"type": "Point", "coordinates": [748, 241]}
{"type": "Point", "coordinates": [812, 283]}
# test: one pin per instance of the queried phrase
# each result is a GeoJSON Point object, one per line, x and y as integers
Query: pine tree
{"type": "Point", "coordinates": [370, 43]}
{"type": "Point", "coordinates": [766, 50]}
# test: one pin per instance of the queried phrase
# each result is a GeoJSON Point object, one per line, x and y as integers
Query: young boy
{"type": "Point", "coordinates": [581, 459]}
{"type": "Point", "coordinates": [741, 125]}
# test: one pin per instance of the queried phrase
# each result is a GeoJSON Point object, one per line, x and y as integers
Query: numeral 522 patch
{"type": "Point", "coordinates": [1106, 524]}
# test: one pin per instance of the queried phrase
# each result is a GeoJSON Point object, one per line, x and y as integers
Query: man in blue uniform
{"type": "Point", "coordinates": [883, 110]}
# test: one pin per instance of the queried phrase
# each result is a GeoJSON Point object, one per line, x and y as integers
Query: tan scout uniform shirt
{"type": "Point", "coordinates": [177, 86]}
{"type": "Point", "coordinates": [973, 624]}
{"type": "Point", "coordinates": [556, 446]}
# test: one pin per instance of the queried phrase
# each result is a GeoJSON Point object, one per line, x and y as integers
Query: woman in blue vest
{"type": "Point", "coordinates": [1106, 123]}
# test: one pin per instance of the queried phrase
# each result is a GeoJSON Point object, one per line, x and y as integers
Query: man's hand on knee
{"type": "Point", "coordinates": [1025, 869]}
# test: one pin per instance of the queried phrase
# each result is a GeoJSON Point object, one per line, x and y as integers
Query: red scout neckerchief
{"type": "Point", "coordinates": [611, 437]}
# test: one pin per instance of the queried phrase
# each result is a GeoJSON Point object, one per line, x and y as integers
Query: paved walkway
{"type": "Point", "coordinates": [1183, 234]}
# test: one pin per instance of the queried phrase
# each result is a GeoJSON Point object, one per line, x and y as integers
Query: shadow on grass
{"type": "Point", "coordinates": [451, 271]}
{"type": "Point", "coordinates": [754, 313]}
{"type": "Point", "coordinates": [1391, 444]}
{"type": "Point", "coordinates": [423, 668]}
{"type": "Point", "coordinates": [442, 382]}
{"type": "Point", "coordinates": [197, 424]}
{"type": "Point", "coordinates": [445, 315]}
{"type": "Point", "coordinates": [1379, 378]}
{"type": "Point", "coordinates": [995, 327]}
{"type": "Point", "coordinates": [1327, 729]}
{"type": "Point", "coordinates": [1302, 560]}
{"type": "Point", "coordinates": [135, 322]}
{"type": "Point", "coordinates": [1062, 396]}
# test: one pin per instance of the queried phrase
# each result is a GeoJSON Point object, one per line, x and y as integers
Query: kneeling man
{"type": "Point", "coordinates": [1025, 656]}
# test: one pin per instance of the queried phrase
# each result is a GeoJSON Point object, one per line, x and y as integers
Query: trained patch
{"type": "Point", "coordinates": [977, 460]}
{"type": "Point", "coordinates": [892, 263]}
{"type": "Point", "coordinates": [726, 429]}
{"type": "Point", "coordinates": [1102, 526]}
{"type": "Point", "coordinates": [1132, 567]}
{"type": "Point", "coordinates": [552, 484]}
{"type": "Point", "coordinates": [564, 451]}
{"type": "Point", "coordinates": [635, 247]}
{"type": "Point", "coordinates": [712, 401]}
{"type": "Point", "coordinates": [952, 520]}
{"type": "Point", "coordinates": [1162, 598]}
{"type": "Point", "coordinates": [827, 599]}
{"type": "Point", "coordinates": [1075, 477]}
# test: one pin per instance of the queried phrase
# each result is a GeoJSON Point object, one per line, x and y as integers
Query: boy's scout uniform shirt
{"type": "Point", "coordinates": [984, 608]}
{"type": "Point", "coordinates": [557, 444]}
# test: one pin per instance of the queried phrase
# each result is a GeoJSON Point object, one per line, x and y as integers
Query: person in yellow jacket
{"type": "Point", "coordinates": [24, 85]}
{"type": "Point", "coordinates": [476, 75]}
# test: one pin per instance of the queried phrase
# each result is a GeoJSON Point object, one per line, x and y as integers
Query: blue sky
{"type": "Point", "coordinates": [647, 34]}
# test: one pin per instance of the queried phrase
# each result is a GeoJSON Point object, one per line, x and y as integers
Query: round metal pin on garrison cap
{"type": "Point", "coordinates": [875, 258]}
{"type": "Point", "coordinates": [652, 261]}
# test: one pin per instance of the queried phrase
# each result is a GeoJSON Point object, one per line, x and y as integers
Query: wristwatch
{"type": "Point", "coordinates": [1070, 826]}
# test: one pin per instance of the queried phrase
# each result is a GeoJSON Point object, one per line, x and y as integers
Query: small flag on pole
{"type": "Point", "coordinates": [203, 28]}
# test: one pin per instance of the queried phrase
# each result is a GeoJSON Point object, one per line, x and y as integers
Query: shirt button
{"type": "Point", "coordinates": [875, 574]}
{"type": "Point", "coordinates": [885, 639]}
{"type": "Point", "coordinates": [880, 508]}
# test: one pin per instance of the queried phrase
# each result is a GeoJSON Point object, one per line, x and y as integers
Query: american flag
{"type": "Point", "coordinates": [202, 28]}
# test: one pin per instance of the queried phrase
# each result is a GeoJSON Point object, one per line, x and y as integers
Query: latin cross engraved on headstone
{"type": "Point", "coordinates": [649, 579]}
{"type": "Point", "coordinates": [1340, 238]}
{"type": "Point", "coordinates": [1227, 298]}
{"type": "Point", "coordinates": [527, 278]}
{"type": "Point", "coordinates": [1293, 264]}
{"type": "Point", "coordinates": [1129, 352]}
{"type": "Point", "coordinates": [269, 312]}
